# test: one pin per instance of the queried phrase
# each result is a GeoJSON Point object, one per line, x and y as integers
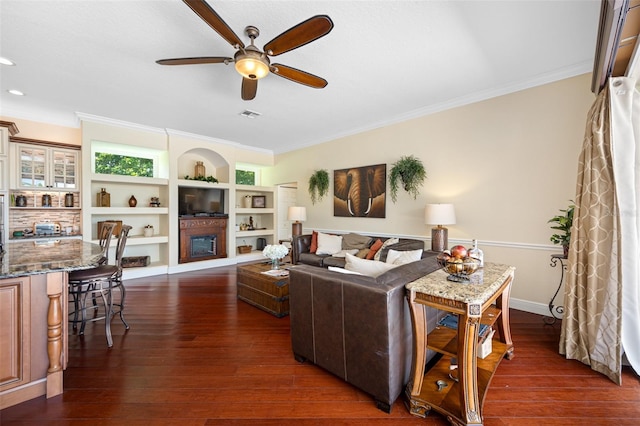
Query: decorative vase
{"type": "Point", "coordinates": [247, 202]}
{"type": "Point", "coordinates": [199, 169]}
{"type": "Point", "coordinates": [275, 264]}
{"type": "Point", "coordinates": [132, 201]}
{"type": "Point", "coordinates": [103, 198]}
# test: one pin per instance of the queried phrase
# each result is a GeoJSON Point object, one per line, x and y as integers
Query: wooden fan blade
{"type": "Point", "coordinates": [298, 76]}
{"type": "Point", "coordinates": [249, 89]}
{"type": "Point", "coordinates": [192, 61]}
{"type": "Point", "coordinates": [208, 15]}
{"type": "Point", "coordinates": [303, 33]}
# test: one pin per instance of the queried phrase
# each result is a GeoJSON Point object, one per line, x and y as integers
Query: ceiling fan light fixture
{"type": "Point", "coordinates": [251, 64]}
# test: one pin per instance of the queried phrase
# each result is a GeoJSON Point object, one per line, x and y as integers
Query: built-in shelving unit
{"type": "Point", "coordinates": [264, 218]}
{"type": "Point", "coordinates": [121, 188]}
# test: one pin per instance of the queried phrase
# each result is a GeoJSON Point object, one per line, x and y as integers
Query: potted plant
{"type": "Point", "coordinates": [563, 224]}
{"type": "Point", "coordinates": [410, 171]}
{"type": "Point", "coordinates": [318, 185]}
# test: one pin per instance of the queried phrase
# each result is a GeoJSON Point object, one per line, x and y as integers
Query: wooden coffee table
{"type": "Point", "coordinates": [267, 292]}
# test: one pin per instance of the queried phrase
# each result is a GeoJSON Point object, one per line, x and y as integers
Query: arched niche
{"type": "Point", "coordinates": [214, 163]}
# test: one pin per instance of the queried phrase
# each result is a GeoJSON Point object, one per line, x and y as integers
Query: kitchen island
{"type": "Point", "coordinates": [33, 311]}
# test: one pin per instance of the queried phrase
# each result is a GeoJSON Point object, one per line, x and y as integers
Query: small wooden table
{"type": "Point", "coordinates": [267, 292]}
{"type": "Point", "coordinates": [461, 401]}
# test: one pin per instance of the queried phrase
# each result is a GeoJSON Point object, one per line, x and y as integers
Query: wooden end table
{"type": "Point", "coordinates": [267, 292]}
{"type": "Point", "coordinates": [460, 401]}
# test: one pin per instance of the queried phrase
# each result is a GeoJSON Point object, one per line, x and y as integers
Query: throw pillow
{"type": "Point", "coordinates": [372, 268]}
{"type": "Point", "coordinates": [374, 248]}
{"type": "Point", "coordinates": [343, 252]}
{"type": "Point", "coordinates": [362, 253]}
{"type": "Point", "coordinates": [328, 244]}
{"type": "Point", "coordinates": [355, 241]}
{"type": "Point", "coordinates": [401, 257]}
{"type": "Point", "coordinates": [387, 243]}
{"type": "Point", "coordinates": [314, 242]}
{"type": "Point", "coordinates": [342, 270]}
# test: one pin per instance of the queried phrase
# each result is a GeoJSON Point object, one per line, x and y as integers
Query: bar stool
{"type": "Point", "coordinates": [101, 280]}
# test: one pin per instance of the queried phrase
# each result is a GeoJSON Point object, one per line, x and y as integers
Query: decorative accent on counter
{"type": "Point", "coordinates": [132, 201]}
{"type": "Point", "coordinates": [103, 198]}
{"type": "Point", "coordinates": [68, 199]}
{"type": "Point", "coordinates": [155, 202]}
{"type": "Point", "coordinates": [148, 231]}
{"type": "Point", "coordinates": [46, 200]}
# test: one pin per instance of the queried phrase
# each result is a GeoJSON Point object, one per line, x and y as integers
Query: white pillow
{"type": "Point", "coordinates": [372, 268]}
{"type": "Point", "coordinates": [343, 271]}
{"type": "Point", "coordinates": [387, 243]}
{"type": "Point", "coordinates": [401, 257]}
{"type": "Point", "coordinates": [342, 253]}
{"type": "Point", "coordinates": [329, 244]}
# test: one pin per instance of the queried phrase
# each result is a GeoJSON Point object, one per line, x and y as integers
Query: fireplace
{"type": "Point", "coordinates": [202, 238]}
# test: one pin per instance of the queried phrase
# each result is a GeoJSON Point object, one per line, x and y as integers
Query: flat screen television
{"type": "Point", "coordinates": [200, 200]}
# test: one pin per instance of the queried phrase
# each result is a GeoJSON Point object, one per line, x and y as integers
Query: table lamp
{"type": "Point", "coordinates": [297, 214]}
{"type": "Point", "coordinates": [439, 214]}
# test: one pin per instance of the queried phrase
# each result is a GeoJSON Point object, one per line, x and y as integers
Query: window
{"type": "Point", "coordinates": [116, 164]}
{"type": "Point", "coordinates": [245, 177]}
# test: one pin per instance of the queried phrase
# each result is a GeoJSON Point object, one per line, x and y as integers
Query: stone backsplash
{"type": "Point", "coordinates": [20, 219]}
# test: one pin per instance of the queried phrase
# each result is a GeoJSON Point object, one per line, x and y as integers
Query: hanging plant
{"type": "Point", "coordinates": [410, 171]}
{"type": "Point", "coordinates": [318, 185]}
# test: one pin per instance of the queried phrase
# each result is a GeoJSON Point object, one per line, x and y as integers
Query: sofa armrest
{"type": "Point", "coordinates": [299, 244]}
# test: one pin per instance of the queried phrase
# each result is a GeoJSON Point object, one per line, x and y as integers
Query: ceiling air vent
{"type": "Point", "coordinates": [250, 114]}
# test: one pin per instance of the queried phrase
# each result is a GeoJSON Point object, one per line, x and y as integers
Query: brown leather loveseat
{"type": "Point", "coordinates": [357, 327]}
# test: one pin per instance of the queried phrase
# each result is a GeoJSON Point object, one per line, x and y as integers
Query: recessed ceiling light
{"type": "Point", "coordinates": [6, 61]}
{"type": "Point", "coordinates": [15, 92]}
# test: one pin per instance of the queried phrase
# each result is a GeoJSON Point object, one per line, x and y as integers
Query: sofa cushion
{"type": "Point", "coordinates": [401, 257]}
{"type": "Point", "coordinates": [355, 241]}
{"type": "Point", "coordinates": [328, 244]}
{"type": "Point", "coordinates": [314, 242]}
{"type": "Point", "coordinates": [402, 245]}
{"type": "Point", "coordinates": [371, 268]}
{"type": "Point", "coordinates": [409, 271]}
{"type": "Point", "coordinates": [374, 248]}
{"type": "Point", "coordinates": [343, 252]}
{"type": "Point", "coordinates": [333, 261]}
{"type": "Point", "coordinates": [386, 244]}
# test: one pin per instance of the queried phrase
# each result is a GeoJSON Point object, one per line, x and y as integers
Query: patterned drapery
{"type": "Point", "coordinates": [602, 288]}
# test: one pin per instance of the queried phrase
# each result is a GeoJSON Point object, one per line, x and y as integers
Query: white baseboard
{"type": "Point", "coordinates": [531, 307]}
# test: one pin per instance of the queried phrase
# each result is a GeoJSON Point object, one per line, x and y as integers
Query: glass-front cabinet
{"type": "Point", "coordinates": [47, 167]}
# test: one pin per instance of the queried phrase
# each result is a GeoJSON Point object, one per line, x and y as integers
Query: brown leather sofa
{"type": "Point", "coordinates": [357, 327]}
{"type": "Point", "coordinates": [301, 253]}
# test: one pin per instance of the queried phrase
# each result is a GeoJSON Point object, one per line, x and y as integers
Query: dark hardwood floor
{"type": "Point", "coordinates": [195, 355]}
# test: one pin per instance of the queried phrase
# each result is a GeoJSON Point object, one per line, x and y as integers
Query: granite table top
{"type": "Point", "coordinates": [38, 257]}
{"type": "Point", "coordinates": [482, 286]}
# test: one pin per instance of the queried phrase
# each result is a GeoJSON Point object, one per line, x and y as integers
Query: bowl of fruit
{"type": "Point", "coordinates": [457, 263]}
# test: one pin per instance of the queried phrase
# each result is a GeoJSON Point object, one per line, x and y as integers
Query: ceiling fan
{"type": "Point", "coordinates": [252, 63]}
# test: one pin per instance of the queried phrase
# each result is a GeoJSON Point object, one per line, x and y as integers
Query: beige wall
{"type": "Point", "coordinates": [46, 132]}
{"type": "Point", "coordinates": [507, 164]}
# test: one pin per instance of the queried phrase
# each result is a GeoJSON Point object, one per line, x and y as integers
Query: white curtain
{"type": "Point", "coordinates": [625, 135]}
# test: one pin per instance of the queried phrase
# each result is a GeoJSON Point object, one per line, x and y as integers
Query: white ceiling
{"type": "Point", "coordinates": [385, 61]}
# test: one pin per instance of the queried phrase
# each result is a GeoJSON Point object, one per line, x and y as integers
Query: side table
{"type": "Point", "coordinates": [556, 309]}
{"type": "Point", "coordinates": [460, 401]}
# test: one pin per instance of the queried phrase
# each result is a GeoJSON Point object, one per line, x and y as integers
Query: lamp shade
{"type": "Point", "coordinates": [297, 213]}
{"type": "Point", "coordinates": [439, 214]}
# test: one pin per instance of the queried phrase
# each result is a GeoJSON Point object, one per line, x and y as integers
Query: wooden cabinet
{"type": "Point", "coordinates": [15, 333]}
{"type": "Point", "coordinates": [42, 167]}
{"type": "Point", "coordinates": [484, 302]}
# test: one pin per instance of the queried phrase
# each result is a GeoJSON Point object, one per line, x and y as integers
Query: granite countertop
{"type": "Point", "coordinates": [483, 284]}
{"type": "Point", "coordinates": [40, 257]}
